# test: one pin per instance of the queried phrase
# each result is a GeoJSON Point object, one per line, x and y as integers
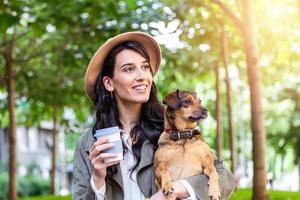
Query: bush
{"type": "Point", "coordinates": [33, 186]}
{"type": "Point", "coordinates": [27, 186]}
{"type": "Point", "coordinates": [3, 185]}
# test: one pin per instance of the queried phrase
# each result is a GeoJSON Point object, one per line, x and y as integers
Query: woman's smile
{"type": "Point", "coordinates": [140, 88]}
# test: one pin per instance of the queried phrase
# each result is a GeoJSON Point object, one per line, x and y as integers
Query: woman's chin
{"type": "Point", "coordinates": [141, 99]}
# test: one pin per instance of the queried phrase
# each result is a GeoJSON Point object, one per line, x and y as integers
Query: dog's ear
{"type": "Point", "coordinates": [173, 100]}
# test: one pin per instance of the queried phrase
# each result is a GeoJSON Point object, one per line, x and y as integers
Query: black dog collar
{"type": "Point", "coordinates": [177, 135]}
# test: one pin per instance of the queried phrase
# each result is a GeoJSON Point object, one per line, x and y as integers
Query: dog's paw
{"type": "Point", "coordinates": [167, 187]}
{"type": "Point", "coordinates": [214, 192]}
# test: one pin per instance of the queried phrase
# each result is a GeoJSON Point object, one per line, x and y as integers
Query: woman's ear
{"type": "Point", "coordinates": [108, 83]}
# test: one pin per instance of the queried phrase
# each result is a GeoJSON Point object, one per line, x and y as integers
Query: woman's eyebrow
{"type": "Point", "coordinates": [127, 64]}
{"type": "Point", "coordinates": [130, 64]}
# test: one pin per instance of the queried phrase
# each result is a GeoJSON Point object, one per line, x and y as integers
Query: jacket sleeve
{"type": "Point", "coordinates": [82, 189]}
{"type": "Point", "coordinates": [227, 183]}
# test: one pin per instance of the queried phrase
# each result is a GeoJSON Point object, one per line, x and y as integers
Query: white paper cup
{"type": "Point", "coordinates": [113, 134]}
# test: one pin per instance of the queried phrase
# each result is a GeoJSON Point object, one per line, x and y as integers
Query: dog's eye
{"type": "Point", "coordinates": [187, 102]}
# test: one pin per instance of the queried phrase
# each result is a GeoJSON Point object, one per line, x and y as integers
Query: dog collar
{"type": "Point", "coordinates": [177, 135]}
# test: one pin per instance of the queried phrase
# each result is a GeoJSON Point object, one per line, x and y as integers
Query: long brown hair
{"type": "Point", "coordinates": [150, 124]}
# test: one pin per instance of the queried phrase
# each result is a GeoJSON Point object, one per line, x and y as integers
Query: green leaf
{"type": "Point", "coordinates": [7, 21]}
{"type": "Point", "coordinates": [132, 4]}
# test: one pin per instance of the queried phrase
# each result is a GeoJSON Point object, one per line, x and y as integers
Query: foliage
{"type": "Point", "coordinates": [33, 186]}
{"type": "Point", "coordinates": [27, 186]}
{"type": "Point", "coordinates": [53, 43]}
{"type": "Point", "coordinates": [3, 185]}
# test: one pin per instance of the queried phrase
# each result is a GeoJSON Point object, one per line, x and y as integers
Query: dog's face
{"type": "Point", "coordinates": [186, 104]}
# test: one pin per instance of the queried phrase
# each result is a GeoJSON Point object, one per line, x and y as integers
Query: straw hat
{"type": "Point", "coordinates": [96, 64]}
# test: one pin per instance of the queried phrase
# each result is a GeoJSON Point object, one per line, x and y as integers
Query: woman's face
{"type": "Point", "coordinates": [132, 79]}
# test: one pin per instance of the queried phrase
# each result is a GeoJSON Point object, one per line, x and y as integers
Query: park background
{"type": "Point", "coordinates": [240, 56]}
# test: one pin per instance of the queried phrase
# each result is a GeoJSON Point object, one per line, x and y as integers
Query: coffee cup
{"type": "Point", "coordinates": [113, 135]}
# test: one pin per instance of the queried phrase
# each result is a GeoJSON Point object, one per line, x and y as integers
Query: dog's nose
{"type": "Point", "coordinates": [203, 110]}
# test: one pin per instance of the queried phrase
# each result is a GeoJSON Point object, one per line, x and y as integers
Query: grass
{"type": "Point", "coordinates": [240, 194]}
{"type": "Point", "coordinates": [245, 194]}
{"type": "Point", "coordinates": [50, 197]}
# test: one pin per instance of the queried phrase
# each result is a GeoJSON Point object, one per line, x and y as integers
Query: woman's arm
{"type": "Point", "coordinates": [81, 177]}
{"type": "Point", "coordinates": [227, 183]}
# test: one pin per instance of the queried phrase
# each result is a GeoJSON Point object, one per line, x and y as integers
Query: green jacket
{"type": "Point", "coordinates": [145, 175]}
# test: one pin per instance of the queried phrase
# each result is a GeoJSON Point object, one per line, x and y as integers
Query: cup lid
{"type": "Point", "coordinates": [104, 131]}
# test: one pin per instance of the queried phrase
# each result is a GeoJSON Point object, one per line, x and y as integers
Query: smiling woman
{"type": "Point", "coordinates": [119, 81]}
{"type": "Point", "coordinates": [132, 78]}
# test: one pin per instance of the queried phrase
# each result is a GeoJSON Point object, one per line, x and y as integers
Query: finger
{"type": "Point", "coordinates": [112, 163]}
{"type": "Point", "coordinates": [100, 148]}
{"type": "Point", "coordinates": [99, 165]}
{"type": "Point", "coordinates": [102, 156]}
{"type": "Point", "coordinates": [101, 140]}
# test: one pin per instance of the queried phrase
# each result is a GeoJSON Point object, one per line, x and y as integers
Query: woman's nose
{"type": "Point", "coordinates": [140, 74]}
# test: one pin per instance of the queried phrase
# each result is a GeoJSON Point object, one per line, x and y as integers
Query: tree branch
{"type": "Point", "coordinates": [5, 42]}
{"type": "Point", "coordinates": [28, 58]}
{"type": "Point", "coordinates": [234, 18]}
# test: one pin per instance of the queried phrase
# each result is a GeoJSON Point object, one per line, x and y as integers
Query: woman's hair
{"type": "Point", "coordinates": [150, 124]}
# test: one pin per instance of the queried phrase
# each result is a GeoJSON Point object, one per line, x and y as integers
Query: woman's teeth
{"type": "Point", "coordinates": [141, 87]}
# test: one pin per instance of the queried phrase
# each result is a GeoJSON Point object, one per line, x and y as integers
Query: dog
{"type": "Point", "coordinates": [181, 151]}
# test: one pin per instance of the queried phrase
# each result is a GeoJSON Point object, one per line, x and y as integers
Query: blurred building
{"type": "Point", "coordinates": [34, 151]}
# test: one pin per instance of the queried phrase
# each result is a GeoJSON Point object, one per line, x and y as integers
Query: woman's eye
{"type": "Point", "coordinates": [146, 67]}
{"type": "Point", "coordinates": [129, 69]}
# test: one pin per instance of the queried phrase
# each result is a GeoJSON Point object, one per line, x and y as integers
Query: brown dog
{"type": "Point", "coordinates": [182, 151]}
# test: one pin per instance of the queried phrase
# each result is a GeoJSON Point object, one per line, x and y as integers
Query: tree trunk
{"type": "Point", "coordinates": [53, 150]}
{"type": "Point", "coordinates": [298, 159]}
{"type": "Point", "coordinates": [232, 143]}
{"type": "Point", "coordinates": [257, 118]}
{"type": "Point", "coordinates": [219, 136]}
{"type": "Point", "coordinates": [12, 193]}
{"type": "Point", "coordinates": [298, 146]}
{"type": "Point", "coordinates": [299, 171]}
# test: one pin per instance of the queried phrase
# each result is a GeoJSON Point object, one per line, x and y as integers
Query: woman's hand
{"type": "Point", "coordinates": [97, 159]}
{"type": "Point", "coordinates": [179, 192]}
{"type": "Point", "coordinates": [160, 196]}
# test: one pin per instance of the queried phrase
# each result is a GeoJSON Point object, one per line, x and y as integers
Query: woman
{"type": "Point", "coordinates": [119, 81]}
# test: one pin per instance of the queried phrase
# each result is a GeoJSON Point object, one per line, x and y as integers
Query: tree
{"type": "Point", "coordinates": [258, 131]}
{"type": "Point", "coordinates": [219, 136]}
{"type": "Point", "coordinates": [7, 54]}
{"type": "Point", "coordinates": [232, 137]}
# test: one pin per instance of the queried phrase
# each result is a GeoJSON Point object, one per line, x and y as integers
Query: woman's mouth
{"type": "Point", "coordinates": [140, 88]}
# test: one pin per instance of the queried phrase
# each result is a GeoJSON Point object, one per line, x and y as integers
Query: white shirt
{"type": "Point", "coordinates": [131, 188]}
